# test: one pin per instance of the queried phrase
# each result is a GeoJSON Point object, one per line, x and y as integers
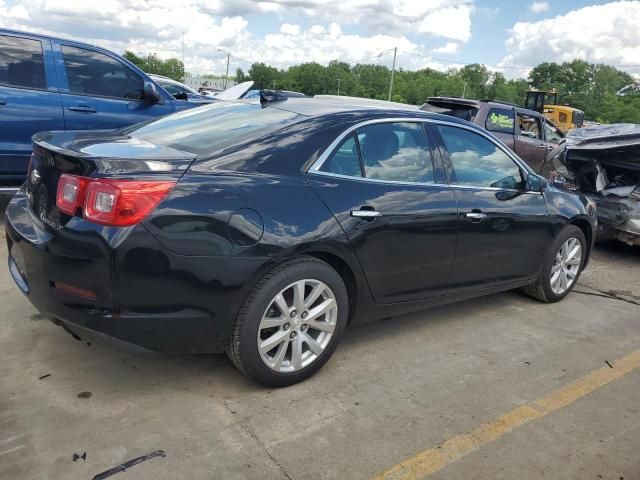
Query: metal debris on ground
{"type": "Point", "coordinates": [124, 466]}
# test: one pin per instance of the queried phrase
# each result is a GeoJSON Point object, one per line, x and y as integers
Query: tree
{"type": "Point", "coordinates": [172, 67]}
{"type": "Point", "coordinates": [240, 76]}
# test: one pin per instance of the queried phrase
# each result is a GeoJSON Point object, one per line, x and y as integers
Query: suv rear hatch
{"type": "Point", "coordinates": [455, 107]}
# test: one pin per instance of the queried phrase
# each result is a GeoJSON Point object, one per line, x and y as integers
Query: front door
{"type": "Point", "coordinates": [529, 142]}
{"type": "Point", "coordinates": [504, 231]}
{"type": "Point", "coordinates": [101, 92]}
{"type": "Point", "coordinates": [380, 183]}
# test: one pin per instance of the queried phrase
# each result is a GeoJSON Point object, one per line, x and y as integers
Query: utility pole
{"type": "Point", "coordinates": [393, 71]}
{"type": "Point", "coordinates": [226, 77]}
{"type": "Point", "coordinates": [464, 89]}
{"type": "Point", "coordinates": [338, 85]}
{"type": "Point", "coordinates": [184, 70]}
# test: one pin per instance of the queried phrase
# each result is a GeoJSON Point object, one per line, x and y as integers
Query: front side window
{"type": "Point", "coordinates": [529, 126]}
{"type": "Point", "coordinates": [21, 62]}
{"type": "Point", "coordinates": [500, 120]}
{"type": "Point", "coordinates": [94, 73]}
{"type": "Point", "coordinates": [396, 151]}
{"type": "Point", "coordinates": [552, 133]}
{"type": "Point", "coordinates": [478, 162]}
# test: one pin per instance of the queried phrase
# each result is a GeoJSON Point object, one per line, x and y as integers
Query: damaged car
{"type": "Point", "coordinates": [603, 163]}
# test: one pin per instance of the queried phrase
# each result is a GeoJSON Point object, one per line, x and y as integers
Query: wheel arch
{"type": "Point", "coordinates": [585, 226]}
{"type": "Point", "coordinates": [345, 272]}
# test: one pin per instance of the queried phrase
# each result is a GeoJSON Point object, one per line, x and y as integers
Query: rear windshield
{"type": "Point", "coordinates": [464, 112]}
{"type": "Point", "coordinates": [214, 127]}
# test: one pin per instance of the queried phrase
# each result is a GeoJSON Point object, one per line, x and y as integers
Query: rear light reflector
{"type": "Point", "coordinates": [112, 202]}
{"type": "Point", "coordinates": [74, 291]}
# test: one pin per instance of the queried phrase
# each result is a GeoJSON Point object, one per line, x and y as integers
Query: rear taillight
{"type": "Point", "coordinates": [71, 191]}
{"type": "Point", "coordinates": [112, 202]}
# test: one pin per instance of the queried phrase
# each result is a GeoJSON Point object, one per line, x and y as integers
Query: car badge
{"type": "Point", "coordinates": [35, 176]}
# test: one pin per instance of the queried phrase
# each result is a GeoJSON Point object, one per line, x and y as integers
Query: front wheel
{"type": "Point", "coordinates": [562, 266]}
{"type": "Point", "coordinates": [290, 323]}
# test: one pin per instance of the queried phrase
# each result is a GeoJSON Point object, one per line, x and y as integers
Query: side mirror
{"type": "Point", "coordinates": [151, 94]}
{"type": "Point", "coordinates": [535, 183]}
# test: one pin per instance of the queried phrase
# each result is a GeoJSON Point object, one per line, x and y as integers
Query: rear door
{"type": "Point", "coordinates": [29, 101]}
{"type": "Point", "coordinates": [503, 228]}
{"type": "Point", "coordinates": [529, 140]}
{"type": "Point", "coordinates": [386, 189]}
{"type": "Point", "coordinates": [100, 91]}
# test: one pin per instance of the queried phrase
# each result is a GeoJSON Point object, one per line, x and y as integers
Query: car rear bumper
{"type": "Point", "coordinates": [144, 295]}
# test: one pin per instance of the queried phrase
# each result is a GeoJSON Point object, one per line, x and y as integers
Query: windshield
{"type": "Point", "coordinates": [214, 127]}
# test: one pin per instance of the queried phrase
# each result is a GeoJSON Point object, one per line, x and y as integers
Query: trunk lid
{"type": "Point", "coordinates": [93, 154]}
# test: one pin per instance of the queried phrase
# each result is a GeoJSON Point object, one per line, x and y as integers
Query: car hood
{"type": "Point", "coordinates": [604, 137]}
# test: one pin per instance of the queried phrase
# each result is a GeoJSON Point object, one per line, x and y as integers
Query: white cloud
{"type": "Point", "coordinates": [158, 26]}
{"type": "Point", "coordinates": [539, 7]}
{"type": "Point", "coordinates": [606, 33]}
{"type": "Point", "coordinates": [449, 48]}
{"type": "Point", "coordinates": [452, 22]}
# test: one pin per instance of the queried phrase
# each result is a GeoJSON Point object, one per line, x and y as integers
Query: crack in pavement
{"type": "Point", "coordinates": [251, 432]}
{"type": "Point", "coordinates": [613, 294]}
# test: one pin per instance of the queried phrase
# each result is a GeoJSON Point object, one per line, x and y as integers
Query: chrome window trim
{"type": "Point", "coordinates": [315, 167]}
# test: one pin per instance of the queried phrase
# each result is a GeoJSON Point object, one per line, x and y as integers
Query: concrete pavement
{"type": "Point", "coordinates": [392, 390]}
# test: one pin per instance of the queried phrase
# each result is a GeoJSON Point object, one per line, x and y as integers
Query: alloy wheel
{"type": "Point", "coordinates": [297, 326]}
{"type": "Point", "coordinates": [566, 266]}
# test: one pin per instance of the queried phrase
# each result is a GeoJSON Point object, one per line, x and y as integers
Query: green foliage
{"type": "Point", "coordinates": [172, 68]}
{"type": "Point", "coordinates": [589, 87]}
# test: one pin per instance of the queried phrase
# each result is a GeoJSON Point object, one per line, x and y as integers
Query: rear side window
{"type": "Point", "coordinates": [345, 159]}
{"type": "Point", "coordinates": [500, 120]}
{"type": "Point", "coordinates": [94, 73]}
{"type": "Point", "coordinates": [213, 127]}
{"type": "Point", "coordinates": [477, 162]}
{"type": "Point", "coordinates": [21, 62]}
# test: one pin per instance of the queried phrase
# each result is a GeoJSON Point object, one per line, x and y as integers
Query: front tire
{"type": "Point", "coordinates": [562, 266]}
{"type": "Point", "coordinates": [290, 323]}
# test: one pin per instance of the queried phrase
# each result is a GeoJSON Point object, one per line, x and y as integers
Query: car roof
{"type": "Point", "coordinates": [473, 103]}
{"type": "Point", "coordinates": [49, 37]}
{"type": "Point", "coordinates": [359, 108]}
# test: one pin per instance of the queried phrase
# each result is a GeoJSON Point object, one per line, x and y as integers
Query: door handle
{"type": "Point", "coordinates": [476, 217]}
{"type": "Point", "coordinates": [366, 214]}
{"type": "Point", "coordinates": [83, 108]}
{"type": "Point", "coordinates": [543, 146]}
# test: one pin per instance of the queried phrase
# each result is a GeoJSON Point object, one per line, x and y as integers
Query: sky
{"type": "Point", "coordinates": [509, 36]}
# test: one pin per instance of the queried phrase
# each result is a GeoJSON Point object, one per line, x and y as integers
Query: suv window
{"type": "Point", "coordinates": [21, 62]}
{"type": "Point", "coordinates": [552, 133]}
{"type": "Point", "coordinates": [477, 161]}
{"type": "Point", "coordinates": [345, 160]}
{"type": "Point", "coordinates": [396, 151]}
{"type": "Point", "coordinates": [94, 73]}
{"type": "Point", "coordinates": [529, 126]}
{"type": "Point", "coordinates": [500, 120]}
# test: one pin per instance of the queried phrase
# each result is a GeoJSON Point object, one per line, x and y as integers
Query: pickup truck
{"type": "Point", "coordinates": [528, 133]}
{"type": "Point", "coordinates": [48, 83]}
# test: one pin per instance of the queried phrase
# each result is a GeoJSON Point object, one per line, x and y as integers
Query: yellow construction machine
{"type": "Point", "coordinates": [562, 116]}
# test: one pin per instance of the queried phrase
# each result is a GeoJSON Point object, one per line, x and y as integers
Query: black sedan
{"type": "Point", "coordinates": [264, 230]}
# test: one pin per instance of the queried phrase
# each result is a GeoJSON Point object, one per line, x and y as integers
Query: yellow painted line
{"type": "Point", "coordinates": [434, 459]}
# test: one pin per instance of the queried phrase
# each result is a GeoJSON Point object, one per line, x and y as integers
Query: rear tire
{"type": "Point", "coordinates": [290, 323]}
{"type": "Point", "coordinates": [559, 266]}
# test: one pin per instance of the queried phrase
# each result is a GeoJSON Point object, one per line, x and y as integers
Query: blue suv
{"type": "Point", "coordinates": [48, 83]}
